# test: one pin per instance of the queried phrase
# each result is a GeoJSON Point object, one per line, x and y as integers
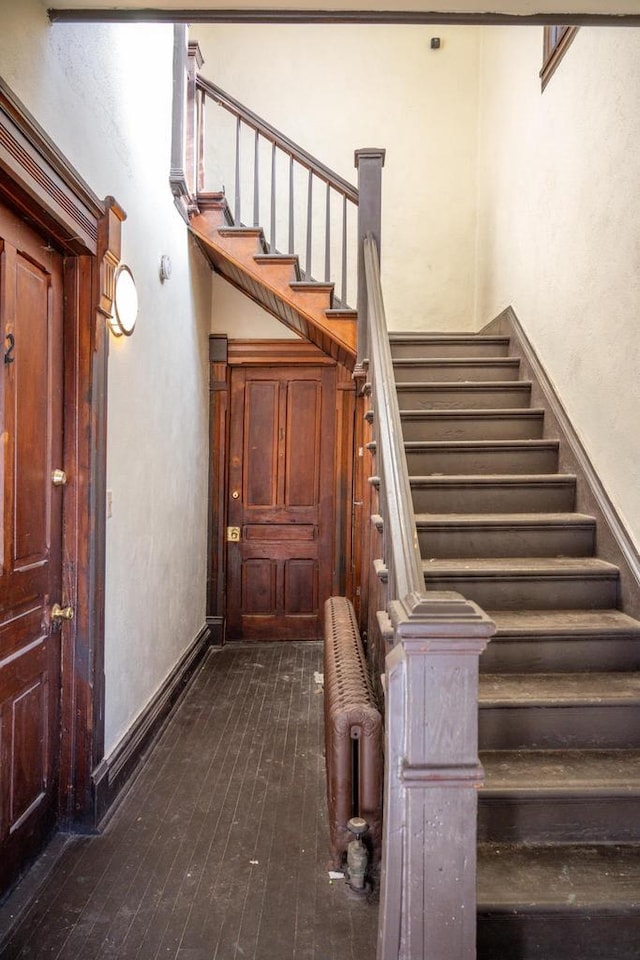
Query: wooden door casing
{"type": "Point", "coordinates": [31, 397]}
{"type": "Point", "coordinates": [281, 499]}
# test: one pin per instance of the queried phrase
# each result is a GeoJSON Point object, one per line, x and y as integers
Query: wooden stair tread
{"type": "Point", "coordinates": [431, 338]}
{"type": "Point", "coordinates": [553, 772]}
{"type": "Point", "coordinates": [563, 623]}
{"type": "Point", "coordinates": [503, 519]}
{"type": "Point", "coordinates": [480, 445]}
{"type": "Point", "coordinates": [239, 254]}
{"type": "Point", "coordinates": [493, 479]}
{"type": "Point", "coordinates": [454, 361]}
{"type": "Point", "coordinates": [233, 231]}
{"type": "Point", "coordinates": [522, 567]}
{"type": "Point", "coordinates": [469, 335]}
{"type": "Point", "coordinates": [470, 385]}
{"type": "Point", "coordinates": [558, 689]}
{"type": "Point", "coordinates": [479, 413]}
{"type": "Point", "coordinates": [568, 878]}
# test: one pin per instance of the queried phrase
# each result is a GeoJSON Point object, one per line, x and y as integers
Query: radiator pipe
{"type": "Point", "coordinates": [357, 856]}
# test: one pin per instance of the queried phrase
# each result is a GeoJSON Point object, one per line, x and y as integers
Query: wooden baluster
{"type": "Point", "coordinates": [291, 213]}
{"type": "Point", "coordinates": [256, 180]}
{"type": "Point", "coordinates": [201, 141]}
{"type": "Point", "coordinates": [272, 238]}
{"type": "Point", "coordinates": [327, 238]}
{"type": "Point", "coordinates": [343, 291]}
{"type": "Point", "coordinates": [307, 266]}
{"type": "Point", "coordinates": [236, 213]}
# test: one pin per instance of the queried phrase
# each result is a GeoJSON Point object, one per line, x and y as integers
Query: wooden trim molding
{"type": "Point", "coordinates": [557, 41]}
{"type": "Point", "coordinates": [40, 184]}
{"type": "Point", "coordinates": [115, 770]}
{"type": "Point", "coordinates": [279, 15]}
{"type": "Point", "coordinates": [218, 450]}
{"type": "Point", "coordinates": [247, 352]}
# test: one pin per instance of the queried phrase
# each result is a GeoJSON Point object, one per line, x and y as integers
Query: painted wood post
{"type": "Point", "coordinates": [432, 772]}
{"type": "Point", "coordinates": [369, 163]}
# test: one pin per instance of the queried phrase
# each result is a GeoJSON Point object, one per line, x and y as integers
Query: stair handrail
{"type": "Point", "coordinates": [281, 140]}
{"type": "Point", "coordinates": [431, 770]}
{"type": "Point", "coordinates": [404, 562]}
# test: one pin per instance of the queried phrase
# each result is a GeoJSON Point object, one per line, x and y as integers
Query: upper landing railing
{"type": "Point", "coordinates": [302, 206]}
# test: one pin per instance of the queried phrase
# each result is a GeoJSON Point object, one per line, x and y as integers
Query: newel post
{"type": "Point", "coordinates": [432, 772]}
{"type": "Point", "coordinates": [369, 163]}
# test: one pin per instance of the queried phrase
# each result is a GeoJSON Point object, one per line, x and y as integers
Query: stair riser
{"type": "Point", "coordinates": [532, 593]}
{"type": "Point", "coordinates": [539, 936]}
{"type": "Point", "coordinates": [463, 398]}
{"type": "Point", "coordinates": [458, 347]}
{"type": "Point", "coordinates": [559, 820]}
{"type": "Point", "coordinates": [455, 372]}
{"type": "Point", "coordinates": [546, 498]}
{"type": "Point", "coordinates": [449, 543]}
{"type": "Point", "coordinates": [527, 426]}
{"type": "Point", "coordinates": [560, 656]}
{"type": "Point", "coordinates": [475, 461]}
{"type": "Point", "coordinates": [609, 726]}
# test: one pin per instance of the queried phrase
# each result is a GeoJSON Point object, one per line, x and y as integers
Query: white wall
{"type": "Point", "coordinates": [239, 317]}
{"type": "Point", "coordinates": [333, 89]}
{"type": "Point", "coordinates": [103, 93]}
{"type": "Point", "coordinates": [559, 231]}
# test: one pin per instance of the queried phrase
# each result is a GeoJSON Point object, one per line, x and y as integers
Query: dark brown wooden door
{"type": "Point", "coordinates": [30, 553]}
{"type": "Point", "coordinates": [281, 501]}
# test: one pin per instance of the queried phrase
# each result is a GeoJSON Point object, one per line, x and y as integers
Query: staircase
{"type": "Point", "coordinates": [274, 280]}
{"type": "Point", "coordinates": [559, 724]}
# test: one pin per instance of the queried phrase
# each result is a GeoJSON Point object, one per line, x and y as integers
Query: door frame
{"type": "Point", "coordinates": [223, 355]}
{"type": "Point", "coordinates": [39, 184]}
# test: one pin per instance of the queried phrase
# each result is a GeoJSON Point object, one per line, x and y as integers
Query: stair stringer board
{"type": "Point", "coordinates": [269, 285]}
{"type": "Point", "coordinates": [613, 543]}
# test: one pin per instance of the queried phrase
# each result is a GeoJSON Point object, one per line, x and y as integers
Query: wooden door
{"type": "Point", "coordinates": [281, 501]}
{"type": "Point", "coordinates": [30, 552]}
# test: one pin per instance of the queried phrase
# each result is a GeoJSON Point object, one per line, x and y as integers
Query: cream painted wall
{"type": "Point", "coordinates": [239, 317]}
{"type": "Point", "coordinates": [559, 232]}
{"type": "Point", "coordinates": [334, 89]}
{"type": "Point", "coordinates": [103, 93]}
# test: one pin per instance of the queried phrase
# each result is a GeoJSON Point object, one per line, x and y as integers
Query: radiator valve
{"type": "Point", "coordinates": [357, 856]}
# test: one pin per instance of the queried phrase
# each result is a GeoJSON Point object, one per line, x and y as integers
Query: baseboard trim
{"type": "Point", "coordinates": [114, 772]}
{"type": "Point", "coordinates": [507, 322]}
{"type": "Point", "coordinates": [217, 628]}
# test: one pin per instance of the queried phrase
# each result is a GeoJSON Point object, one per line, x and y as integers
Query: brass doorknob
{"type": "Point", "coordinates": [61, 613]}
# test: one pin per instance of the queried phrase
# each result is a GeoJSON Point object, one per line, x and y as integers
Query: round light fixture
{"type": "Point", "coordinates": [125, 303]}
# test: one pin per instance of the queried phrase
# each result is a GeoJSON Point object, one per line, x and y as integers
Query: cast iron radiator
{"type": "Point", "coordinates": [353, 732]}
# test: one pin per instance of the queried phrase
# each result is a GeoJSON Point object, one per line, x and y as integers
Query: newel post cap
{"type": "Point", "coordinates": [369, 153]}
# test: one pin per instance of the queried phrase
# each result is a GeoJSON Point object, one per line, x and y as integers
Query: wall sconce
{"type": "Point", "coordinates": [125, 303]}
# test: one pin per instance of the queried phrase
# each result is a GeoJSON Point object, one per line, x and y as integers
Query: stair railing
{"type": "Point", "coordinates": [262, 165]}
{"type": "Point", "coordinates": [432, 770]}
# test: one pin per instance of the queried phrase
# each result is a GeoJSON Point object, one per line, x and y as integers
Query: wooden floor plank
{"type": "Point", "coordinates": [219, 851]}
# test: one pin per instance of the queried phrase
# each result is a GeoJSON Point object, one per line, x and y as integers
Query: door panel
{"type": "Point", "coordinates": [281, 481]}
{"type": "Point", "coordinates": [30, 572]}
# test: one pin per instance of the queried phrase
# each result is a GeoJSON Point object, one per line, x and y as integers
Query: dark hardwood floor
{"type": "Point", "coordinates": [219, 850]}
